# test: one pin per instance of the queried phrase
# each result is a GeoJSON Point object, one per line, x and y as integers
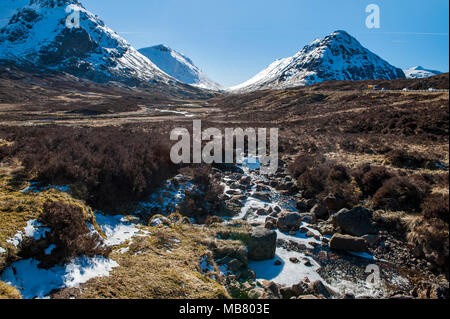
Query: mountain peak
{"type": "Point", "coordinates": [162, 47]}
{"type": "Point", "coordinates": [34, 32]}
{"type": "Point", "coordinates": [419, 72]}
{"type": "Point", "coordinates": [54, 3]}
{"type": "Point", "coordinates": [338, 56]}
{"type": "Point", "coordinates": [178, 66]}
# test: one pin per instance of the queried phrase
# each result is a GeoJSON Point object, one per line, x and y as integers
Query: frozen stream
{"type": "Point", "coordinates": [347, 276]}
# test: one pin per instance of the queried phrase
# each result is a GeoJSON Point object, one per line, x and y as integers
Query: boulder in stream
{"type": "Point", "coordinates": [262, 244]}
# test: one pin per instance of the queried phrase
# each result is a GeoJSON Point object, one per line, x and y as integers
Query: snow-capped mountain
{"type": "Point", "coordinates": [178, 66]}
{"type": "Point", "coordinates": [34, 32]}
{"type": "Point", "coordinates": [338, 56]}
{"type": "Point", "coordinates": [419, 72]}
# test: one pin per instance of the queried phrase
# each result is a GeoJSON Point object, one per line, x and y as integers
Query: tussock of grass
{"type": "Point", "coordinates": [8, 292]}
{"type": "Point", "coordinates": [157, 266]}
{"type": "Point", "coordinates": [16, 208]}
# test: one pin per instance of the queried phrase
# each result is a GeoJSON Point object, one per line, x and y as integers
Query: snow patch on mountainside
{"type": "Point", "coordinates": [34, 32]}
{"type": "Point", "coordinates": [419, 72]}
{"type": "Point", "coordinates": [337, 57]}
{"type": "Point", "coordinates": [178, 66]}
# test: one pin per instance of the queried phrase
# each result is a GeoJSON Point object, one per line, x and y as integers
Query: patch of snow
{"type": "Point", "coordinates": [225, 270]}
{"type": "Point", "coordinates": [205, 266]}
{"type": "Point", "coordinates": [186, 114]}
{"type": "Point", "coordinates": [123, 250]}
{"type": "Point", "coordinates": [16, 240]}
{"type": "Point", "coordinates": [34, 282]}
{"type": "Point", "coordinates": [287, 273]}
{"type": "Point", "coordinates": [299, 238]}
{"type": "Point", "coordinates": [167, 199]}
{"type": "Point", "coordinates": [118, 229]}
{"type": "Point", "coordinates": [35, 188]}
{"type": "Point", "coordinates": [49, 250]}
{"type": "Point", "coordinates": [33, 229]}
{"type": "Point", "coordinates": [2, 250]}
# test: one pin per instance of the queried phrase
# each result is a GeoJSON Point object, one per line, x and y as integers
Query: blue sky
{"type": "Point", "coordinates": [232, 40]}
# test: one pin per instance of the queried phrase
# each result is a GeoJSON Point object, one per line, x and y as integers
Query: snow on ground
{"type": "Point", "coordinates": [168, 197]}
{"type": "Point", "coordinates": [205, 266]}
{"type": "Point", "coordinates": [34, 282]}
{"type": "Point", "coordinates": [186, 114]}
{"type": "Point", "coordinates": [34, 187]}
{"type": "Point", "coordinates": [288, 273]}
{"type": "Point", "coordinates": [49, 250]}
{"type": "Point", "coordinates": [299, 238]}
{"type": "Point", "coordinates": [118, 229]}
{"type": "Point", "coordinates": [33, 229]}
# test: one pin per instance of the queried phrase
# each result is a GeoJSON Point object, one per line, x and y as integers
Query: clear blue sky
{"type": "Point", "coordinates": [232, 40]}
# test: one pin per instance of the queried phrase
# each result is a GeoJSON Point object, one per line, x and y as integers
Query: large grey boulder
{"type": "Point", "coordinates": [347, 242]}
{"type": "Point", "coordinates": [262, 244]}
{"type": "Point", "coordinates": [289, 221]}
{"type": "Point", "coordinates": [355, 222]}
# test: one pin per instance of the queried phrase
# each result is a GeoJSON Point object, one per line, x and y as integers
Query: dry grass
{"type": "Point", "coordinates": [16, 208]}
{"type": "Point", "coordinates": [158, 267]}
{"type": "Point", "coordinates": [8, 292]}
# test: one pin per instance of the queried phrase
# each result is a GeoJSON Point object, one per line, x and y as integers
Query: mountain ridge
{"type": "Point", "coordinates": [34, 32]}
{"type": "Point", "coordinates": [178, 66]}
{"type": "Point", "coordinates": [419, 72]}
{"type": "Point", "coordinates": [338, 56]}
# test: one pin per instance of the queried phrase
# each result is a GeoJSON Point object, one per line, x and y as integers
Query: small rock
{"type": "Point", "coordinates": [320, 289]}
{"type": "Point", "coordinates": [303, 230]}
{"type": "Point", "coordinates": [261, 212]}
{"type": "Point", "coordinates": [347, 242]}
{"type": "Point", "coordinates": [320, 211]}
{"type": "Point", "coordinates": [308, 218]}
{"type": "Point", "coordinates": [261, 196]}
{"type": "Point", "coordinates": [300, 289]}
{"type": "Point", "coordinates": [334, 203]}
{"type": "Point", "coordinates": [289, 221]}
{"type": "Point", "coordinates": [308, 297]}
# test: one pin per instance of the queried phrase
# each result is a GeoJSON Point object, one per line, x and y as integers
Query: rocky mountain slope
{"type": "Point", "coordinates": [178, 66]}
{"type": "Point", "coordinates": [419, 72]}
{"type": "Point", "coordinates": [338, 57]}
{"type": "Point", "coordinates": [34, 32]}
